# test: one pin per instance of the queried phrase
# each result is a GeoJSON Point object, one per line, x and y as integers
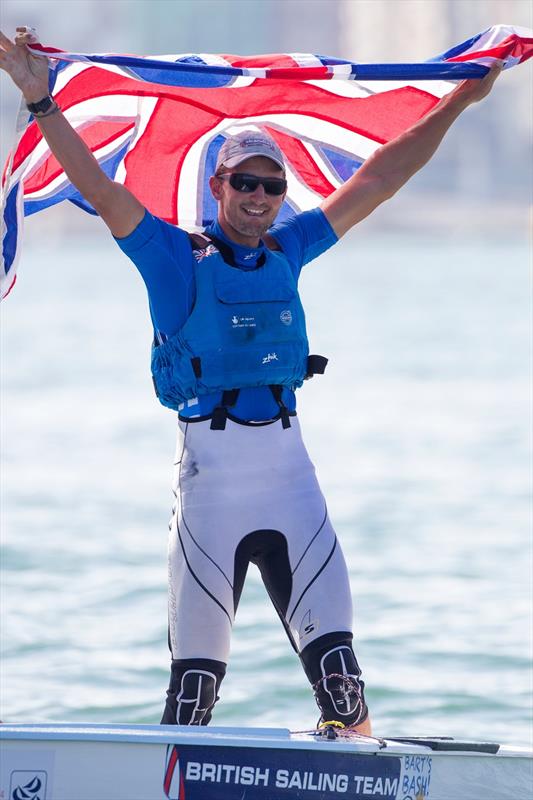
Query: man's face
{"type": "Point", "coordinates": [245, 216]}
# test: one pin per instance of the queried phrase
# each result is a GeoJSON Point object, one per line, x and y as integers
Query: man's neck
{"type": "Point", "coordinates": [242, 255]}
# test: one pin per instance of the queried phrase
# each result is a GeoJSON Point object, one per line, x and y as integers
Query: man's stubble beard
{"type": "Point", "coordinates": [251, 227]}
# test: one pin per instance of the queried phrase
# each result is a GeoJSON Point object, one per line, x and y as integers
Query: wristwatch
{"type": "Point", "coordinates": [42, 107]}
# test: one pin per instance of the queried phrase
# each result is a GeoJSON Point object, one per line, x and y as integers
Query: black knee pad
{"type": "Point", "coordinates": [193, 691]}
{"type": "Point", "coordinates": [334, 673]}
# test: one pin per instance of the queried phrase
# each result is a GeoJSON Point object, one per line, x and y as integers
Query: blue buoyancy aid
{"type": "Point", "coordinates": [247, 328]}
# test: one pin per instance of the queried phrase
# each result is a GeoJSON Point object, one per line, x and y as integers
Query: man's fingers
{"type": "Point", "coordinates": [493, 73]}
{"type": "Point", "coordinates": [475, 89]}
{"type": "Point", "coordinates": [24, 39]}
{"type": "Point", "coordinates": [496, 68]}
{"type": "Point", "coordinates": [25, 35]}
{"type": "Point", "coordinates": [5, 43]}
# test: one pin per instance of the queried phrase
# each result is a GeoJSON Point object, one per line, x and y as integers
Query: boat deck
{"type": "Point", "coordinates": [158, 762]}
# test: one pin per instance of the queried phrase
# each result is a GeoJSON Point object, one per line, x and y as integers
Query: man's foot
{"type": "Point", "coordinates": [332, 728]}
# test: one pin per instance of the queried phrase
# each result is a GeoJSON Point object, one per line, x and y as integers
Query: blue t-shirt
{"type": "Point", "coordinates": [163, 255]}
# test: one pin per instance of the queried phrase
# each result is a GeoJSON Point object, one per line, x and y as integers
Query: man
{"type": "Point", "coordinates": [230, 348]}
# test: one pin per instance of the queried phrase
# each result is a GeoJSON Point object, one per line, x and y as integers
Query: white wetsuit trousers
{"type": "Point", "coordinates": [250, 493]}
{"type": "Point", "coordinates": [245, 494]}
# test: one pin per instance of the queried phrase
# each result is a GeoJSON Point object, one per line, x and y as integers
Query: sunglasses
{"type": "Point", "coordinates": [247, 184]}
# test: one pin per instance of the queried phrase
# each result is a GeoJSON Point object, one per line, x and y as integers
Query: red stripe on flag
{"type": "Point", "coordinates": [32, 136]}
{"type": "Point", "coordinates": [153, 166]}
{"type": "Point", "coordinates": [94, 82]}
{"type": "Point", "coordinates": [280, 67]}
{"type": "Point", "coordinates": [370, 116]}
{"type": "Point", "coordinates": [4, 171]}
{"type": "Point", "coordinates": [517, 47]}
{"type": "Point", "coordinates": [95, 136]}
{"type": "Point", "coordinates": [267, 61]}
{"type": "Point", "coordinates": [41, 48]}
{"type": "Point", "coordinates": [10, 287]}
{"type": "Point", "coordinates": [300, 74]}
{"type": "Point", "coordinates": [181, 116]}
{"type": "Point", "coordinates": [30, 139]}
{"type": "Point", "coordinates": [302, 162]}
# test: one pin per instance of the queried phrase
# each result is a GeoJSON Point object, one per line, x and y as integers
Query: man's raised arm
{"type": "Point", "coordinates": [118, 207]}
{"type": "Point", "coordinates": [394, 163]}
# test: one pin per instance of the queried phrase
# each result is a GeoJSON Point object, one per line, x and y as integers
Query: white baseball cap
{"type": "Point", "coordinates": [248, 144]}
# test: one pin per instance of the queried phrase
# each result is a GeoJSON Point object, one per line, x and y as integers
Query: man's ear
{"type": "Point", "coordinates": [216, 187]}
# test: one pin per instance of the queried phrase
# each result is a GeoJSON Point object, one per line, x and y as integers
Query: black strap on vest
{"type": "Point", "coordinates": [220, 413]}
{"type": "Point", "coordinates": [229, 398]}
{"type": "Point", "coordinates": [196, 364]}
{"type": "Point", "coordinates": [283, 410]}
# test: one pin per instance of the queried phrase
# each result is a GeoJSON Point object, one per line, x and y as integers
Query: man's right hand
{"type": "Point", "coordinates": [118, 207]}
{"type": "Point", "coordinates": [28, 72]}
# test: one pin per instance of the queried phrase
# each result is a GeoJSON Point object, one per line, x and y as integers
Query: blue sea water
{"type": "Point", "coordinates": [421, 434]}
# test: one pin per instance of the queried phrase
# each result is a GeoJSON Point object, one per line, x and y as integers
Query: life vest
{"type": "Point", "coordinates": [247, 328]}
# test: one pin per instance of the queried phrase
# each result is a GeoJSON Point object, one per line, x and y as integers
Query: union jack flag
{"type": "Point", "coordinates": [156, 123]}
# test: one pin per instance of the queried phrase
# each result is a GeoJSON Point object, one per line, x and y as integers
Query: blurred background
{"type": "Point", "coordinates": [425, 312]}
{"type": "Point", "coordinates": [484, 167]}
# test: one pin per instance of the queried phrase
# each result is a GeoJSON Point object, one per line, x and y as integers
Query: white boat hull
{"type": "Point", "coordinates": [148, 762]}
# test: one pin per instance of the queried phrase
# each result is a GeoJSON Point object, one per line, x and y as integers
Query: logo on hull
{"type": "Point", "coordinates": [28, 785]}
{"type": "Point", "coordinates": [173, 784]}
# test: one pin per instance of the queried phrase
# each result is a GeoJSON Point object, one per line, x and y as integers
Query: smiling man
{"type": "Point", "coordinates": [230, 350]}
{"type": "Point", "coordinates": [245, 219]}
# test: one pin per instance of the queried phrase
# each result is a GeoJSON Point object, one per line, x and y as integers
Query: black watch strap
{"type": "Point", "coordinates": [42, 106]}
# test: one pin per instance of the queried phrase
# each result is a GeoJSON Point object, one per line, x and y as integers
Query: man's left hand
{"type": "Point", "coordinates": [473, 90]}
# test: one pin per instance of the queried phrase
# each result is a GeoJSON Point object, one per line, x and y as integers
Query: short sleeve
{"type": "Point", "coordinates": [304, 237]}
{"type": "Point", "coordinates": [162, 254]}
